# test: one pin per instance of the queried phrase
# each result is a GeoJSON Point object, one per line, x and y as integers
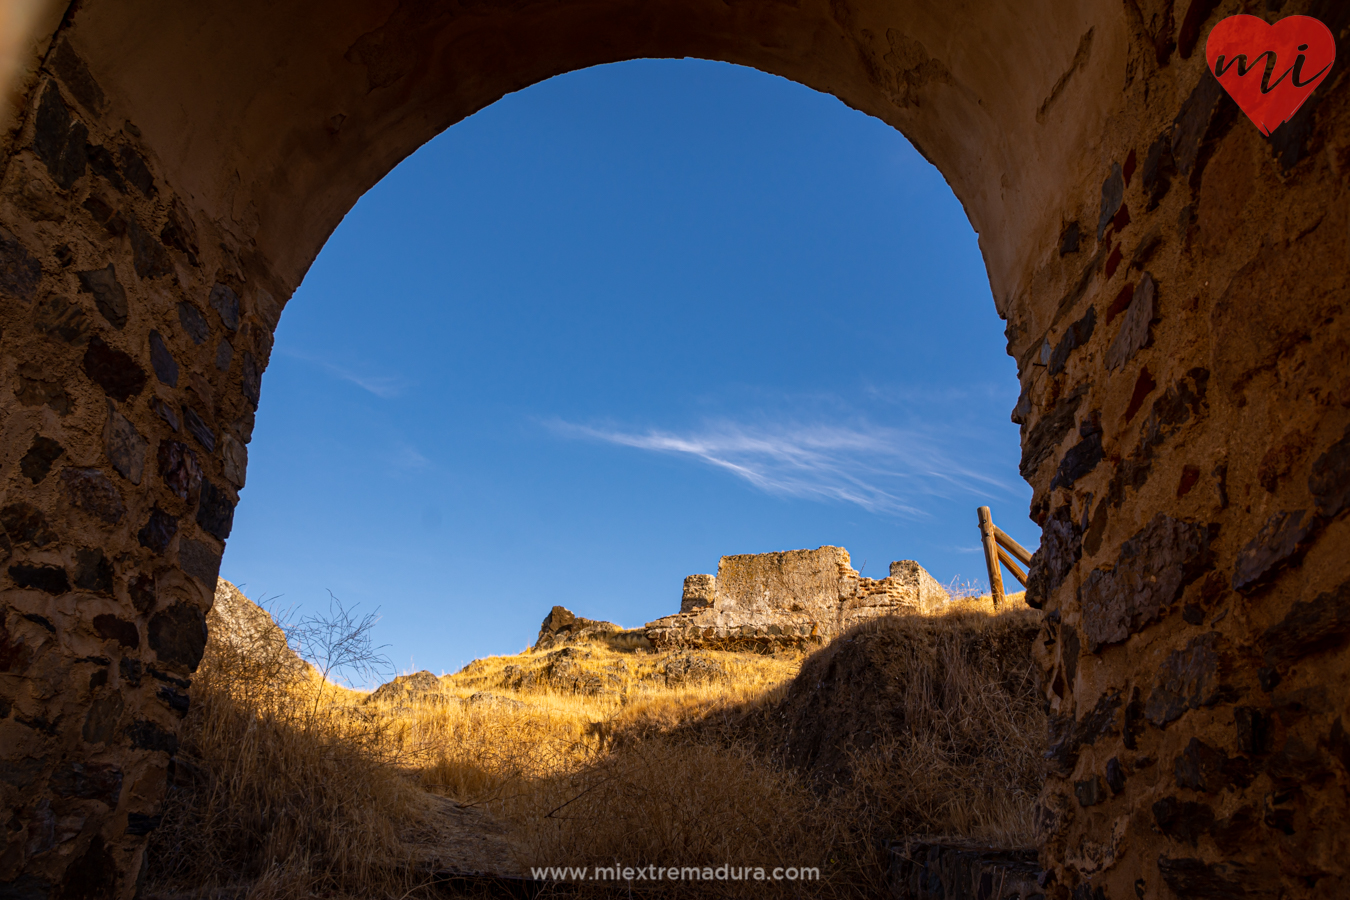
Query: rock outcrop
{"type": "Point", "coordinates": [789, 599]}
{"type": "Point", "coordinates": [560, 627]}
{"type": "Point", "coordinates": [421, 685]}
{"type": "Point", "coordinates": [241, 628]}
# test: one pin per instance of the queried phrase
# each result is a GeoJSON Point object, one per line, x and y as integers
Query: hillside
{"type": "Point", "coordinates": [606, 748]}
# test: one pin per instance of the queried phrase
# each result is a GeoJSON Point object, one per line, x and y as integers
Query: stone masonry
{"type": "Point", "coordinates": [793, 598]}
{"type": "Point", "coordinates": [1174, 287]}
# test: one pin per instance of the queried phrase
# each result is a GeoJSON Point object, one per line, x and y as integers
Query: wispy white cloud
{"type": "Point", "coordinates": [883, 470]}
{"type": "Point", "coordinates": [385, 387]}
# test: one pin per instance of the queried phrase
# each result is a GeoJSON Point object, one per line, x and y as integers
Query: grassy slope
{"type": "Point", "coordinates": [601, 753]}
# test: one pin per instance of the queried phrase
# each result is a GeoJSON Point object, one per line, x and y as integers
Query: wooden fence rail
{"type": "Point", "coordinates": [999, 549]}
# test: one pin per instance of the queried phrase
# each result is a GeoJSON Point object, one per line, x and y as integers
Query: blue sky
{"type": "Point", "coordinates": [614, 327]}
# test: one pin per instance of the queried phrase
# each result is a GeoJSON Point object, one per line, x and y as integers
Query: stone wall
{"type": "Point", "coordinates": [1174, 286]}
{"type": "Point", "coordinates": [792, 598]}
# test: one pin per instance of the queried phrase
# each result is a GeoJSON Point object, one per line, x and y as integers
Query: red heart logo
{"type": "Point", "coordinates": [1270, 69]}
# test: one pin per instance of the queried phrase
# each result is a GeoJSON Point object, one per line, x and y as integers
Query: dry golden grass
{"type": "Point", "coordinates": [928, 724]}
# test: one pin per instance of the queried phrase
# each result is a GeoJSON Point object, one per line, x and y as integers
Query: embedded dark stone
{"type": "Point", "coordinates": [131, 670]}
{"type": "Point", "coordinates": [165, 412]}
{"type": "Point", "coordinates": [141, 824]}
{"type": "Point", "coordinates": [215, 514]}
{"type": "Point", "coordinates": [1115, 776]}
{"type": "Point", "coordinates": [1338, 742]}
{"type": "Point", "coordinates": [49, 579]}
{"type": "Point", "coordinates": [1061, 548]}
{"type": "Point", "coordinates": [158, 531]}
{"type": "Point", "coordinates": [1083, 457]}
{"type": "Point", "coordinates": [1193, 122]}
{"type": "Point", "coordinates": [88, 781]}
{"type": "Point", "coordinates": [111, 628]}
{"type": "Point", "coordinates": [1072, 649]}
{"type": "Point", "coordinates": [1207, 769]}
{"type": "Point", "coordinates": [143, 594]}
{"type": "Point", "coordinates": [94, 492]}
{"type": "Point", "coordinates": [198, 428]}
{"type": "Point", "coordinates": [180, 233]}
{"type": "Point", "coordinates": [1188, 679]}
{"type": "Point", "coordinates": [175, 700]}
{"type": "Point", "coordinates": [1198, 880]}
{"type": "Point", "coordinates": [25, 524]}
{"type": "Point", "coordinates": [126, 447]}
{"type": "Point", "coordinates": [76, 78]}
{"type": "Point", "coordinates": [1182, 821]}
{"type": "Point", "coordinates": [1298, 765]}
{"type": "Point", "coordinates": [169, 679]}
{"type": "Point", "coordinates": [178, 635]}
{"type": "Point", "coordinates": [44, 623]}
{"type": "Point", "coordinates": [34, 391]}
{"type": "Point", "coordinates": [1281, 541]}
{"type": "Point", "coordinates": [1135, 330]}
{"type": "Point", "coordinates": [1078, 334]}
{"type": "Point", "coordinates": [102, 164]}
{"type": "Point", "coordinates": [1113, 195]}
{"type": "Point", "coordinates": [59, 140]}
{"type": "Point", "coordinates": [1158, 169]}
{"type": "Point", "coordinates": [59, 318]}
{"type": "Point", "coordinates": [1069, 239]}
{"type": "Point", "coordinates": [1310, 626]}
{"type": "Point", "coordinates": [162, 361]}
{"type": "Point", "coordinates": [112, 221]}
{"type": "Point", "coordinates": [94, 876]}
{"type": "Point", "coordinates": [180, 470]}
{"type": "Point", "coordinates": [1047, 433]}
{"type": "Point", "coordinates": [101, 721]}
{"type": "Point", "coordinates": [193, 322]}
{"type": "Point", "coordinates": [37, 462]}
{"type": "Point", "coordinates": [1253, 730]}
{"type": "Point", "coordinates": [6, 547]}
{"type": "Point", "coordinates": [224, 355]}
{"type": "Point", "coordinates": [200, 560]}
{"type": "Point", "coordinates": [93, 571]}
{"type": "Point", "coordinates": [1329, 482]}
{"type": "Point", "coordinates": [1090, 792]}
{"type": "Point", "coordinates": [14, 654]}
{"type": "Point", "coordinates": [1153, 568]}
{"type": "Point", "coordinates": [1068, 737]}
{"type": "Point", "coordinates": [1192, 614]}
{"type": "Point", "coordinates": [251, 382]}
{"type": "Point", "coordinates": [225, 301]}
{"type": "Point", "coordinates": [1236, 832]}
{"type": "Point", "coordinates": [113, 370]}
{"type": "Point", "coordinates": [19, 271]}
{"type": "Point", "coordinates": [147, 735]}
{"type": "Point", "coordinates": [109, 295]}
{"type": "Point", "coordinates": [148, 254]}
{"type": "Point", "coordinates": [136, 171]}
{"type": "Point", "coordinates": [21, 773]}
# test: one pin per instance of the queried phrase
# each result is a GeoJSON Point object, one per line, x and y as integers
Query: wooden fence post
{"type": "Point", "coordinates": [991, 554]}
{"type": "Point", "coordinates": [999, 549]}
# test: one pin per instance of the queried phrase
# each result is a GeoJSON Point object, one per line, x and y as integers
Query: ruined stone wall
{"type": "Point", "coordinates": [790, 598]}
{"type": "Point", "coordinates": [1185, 409]}
{"type": "Point", "coordinates": [133, 339]}
{"type": "Point", "coordinates": [1174, 286]}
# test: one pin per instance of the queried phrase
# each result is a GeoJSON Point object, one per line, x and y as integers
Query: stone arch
{"type": "Point", "coordinates": [171, 170]}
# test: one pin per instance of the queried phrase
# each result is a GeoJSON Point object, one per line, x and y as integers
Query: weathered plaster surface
{"type": "Point", "coordinates": [792, 598]}
{"type": "Point", "coordinates": [1174, 287]}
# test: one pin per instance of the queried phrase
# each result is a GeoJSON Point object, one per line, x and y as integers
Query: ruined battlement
{"type": "Point", "coordinates": [790, 598]}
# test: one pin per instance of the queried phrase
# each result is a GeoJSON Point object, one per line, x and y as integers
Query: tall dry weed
{"type": "Point", "coordinates": [922, 724]}
{"type": "Point", "coordinates": [283, 787]}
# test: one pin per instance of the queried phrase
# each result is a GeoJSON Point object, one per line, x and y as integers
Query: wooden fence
{"type": "Point", "coordinates": [999, 549]}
